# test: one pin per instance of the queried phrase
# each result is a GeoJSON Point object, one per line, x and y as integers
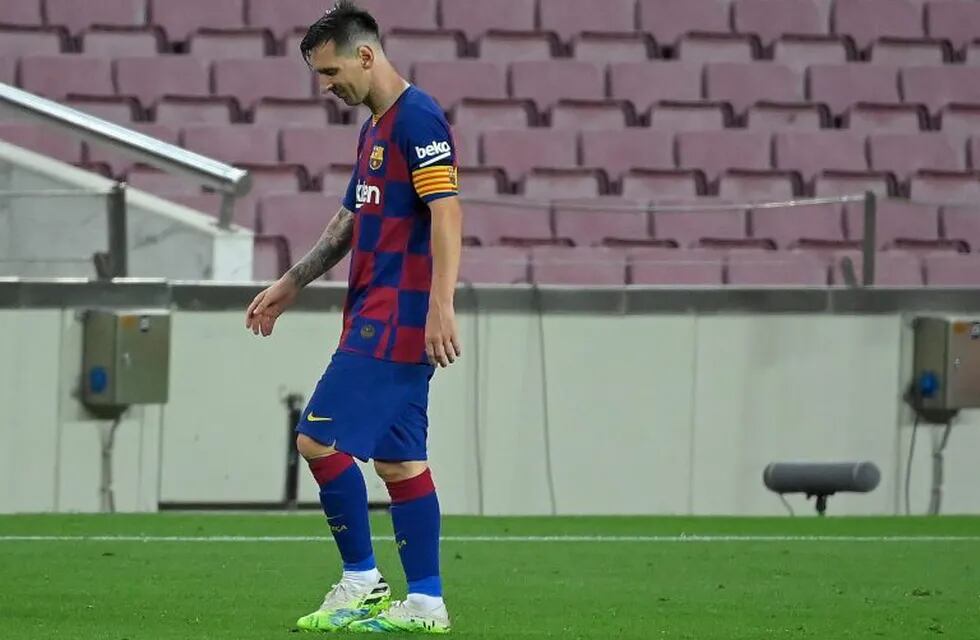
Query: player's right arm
{"type": "Point", "coordinates": [333, 245]}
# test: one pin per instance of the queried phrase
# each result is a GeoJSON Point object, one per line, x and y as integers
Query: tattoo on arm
{"type": "Point", "coordinates": [329, 250]}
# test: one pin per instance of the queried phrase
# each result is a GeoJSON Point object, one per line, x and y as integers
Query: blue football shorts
{"type": "Point", "coordinates": [370, 409]}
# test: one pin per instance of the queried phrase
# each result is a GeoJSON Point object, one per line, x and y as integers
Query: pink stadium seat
{"type": "Point", "coordinates": [663, 184]}
{"type": "Point", "coordinates": [896, 220]}
{"type": "Point", "coordinates": [114, 109]}
{"type": "Point", "coordinates": [494, 265]}
{"type": "Point", "coordinates": [578, 266]}
{"type": "Point", "coordinates": [619, 151]}
{"type": "Point", "coordinates": [770, 19]}
{"type": "Point", "coordinates": [744, 84]}
{"type": "Point", "coordinates": [906, 153]}
{"type": "Point", "coordinates": [298, 217]}
{"type": "Point", "coordinates": [335, 178]}
{"type": "Point", "coordinates": [295, 112]}
{"type": "Point", "coordinates": [318, 147]}
{"type": "Point", "coordinates": [230, 44]}
{"type": "Point", "coordinates": [956, 20]}
{"type": "Point", "coordinates": [907, 52]}
{"type": "Point", "coordinates": [549, 184]}
{"type": "Point", "coordinates": [717, 47]}
{"type": "Point", "coordinates": [150, 79]}
{"type": "Point", "coordinates": [161, 183]}
{"type": "Point", "coordinates": [77, 16]}
{"type": "Point", "coordinates": [688, 228]}
{"type": "Point", "coordinates": [657, 266]}
{"type": "Point", "coordinates": [691, 116]}
{"type": "Point", "coordinates": [451, 81]}
{"type": "Point", "coordinates": [958, 122]}
{"type": "Point", "coordinates": [954, 270]}
{"type": "Point", "coordinates": [21, 13]}
{"type": "Point", "coordinates": [868, 20]}
{"type": "Point", "coordinates": [482, 182]}
{"type": "Point", "coordinates": [276, 178]}
{"type": "Point", "coordinates": [583, 115]}
{"type": "Point", "coordinates": [178, 110]}
{"type": "Point", "coordinates": [43, 140]}
{"type": "Point", "coordinates": [518, 151]}
{"type": "Point", "coordinates": [668, 20]}
{"type": "Point", "coordinates": [608, 48]}
{"type": "Point", "coordinates": [507, 220]}
{"type": "Point", "coordinates": [549, 82]}
{"type": "Point", "coordinates": [405, 47]}
{"type": "Point", "coordinates": [122, 42]}
{"type": "Point", "coordinates": [715, 151]}
{"type": "Point", "coordinates": [644, 83]}
{"type": "Point", "coordinates": [886, 118]}
{"type": "Point", "coordinates": [759, 185]}
{"type": "Point", "coordinates": [841, 86]}
{"type": "Point", "coordinates": [938, 86]}
{"type": "Point", "coordinates": [467, 143]}
{"type": "Point", "coordinates": [505, 47]}
{"type": "Point", "coordinates": [779, 116]}
{"type": "Point", "coordinates": [568, 18]}
{"type": "Point", "coordinates": [772, 268]}
{"type": "Point", "coordinates": [843, 183]}
{"type": "Point", "coordinates": [945, 187]}
{"type": "Point", "coordinates": [56, 76]}
{"type": "Point", "coordinates": [800, 52]}
{"type": "Point", "coordinates": [892, 268]}
{"type": "Point", "coordinates": [269, 258]}
{"type": "Point", "coordinates": [282, 17]}
{"type": "Point", "coordinates": [252, 80]}
{"type": "Point", "coordinates": [594, 221]}
{"type": "Point", "coordinates": [404, 14]}
{"type": "Point", "coordinates": [8, 70]}
{"type": "Point", "coordinates": [121, 164]}
{"type": "Point", "coordinates": [973, 151]}
{"type": "Point", "coordinates": [811, 152]}
{"type": "Point", "coordinates": [31, 41]}
{"type": "Point", "coordinates": [791, 226]}
{"type": "Point", "coordinates": [962, 223]}
{"type": "Point", "coordinates": [476, 17]}
{"type": "Point", "coordinates": [488, 114]}
{"type": "Point", "coordinates": [236, 143]}
{"type": "Point", "coordinates": [181, 18]}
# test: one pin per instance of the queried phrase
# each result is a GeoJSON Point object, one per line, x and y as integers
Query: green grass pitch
{"type": "Point", "coordinates": [625, 577]}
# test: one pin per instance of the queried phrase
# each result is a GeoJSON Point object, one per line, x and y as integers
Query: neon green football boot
{"type": "Point", "coordinates": [403, 617]}
{"type": "Point", "coordinates": [347, 602]}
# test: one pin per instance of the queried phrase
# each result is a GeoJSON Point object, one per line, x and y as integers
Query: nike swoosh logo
{"type": "Point", "coordinates": [313, 418]}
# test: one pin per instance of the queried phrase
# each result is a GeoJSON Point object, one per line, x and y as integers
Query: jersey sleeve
{"type": "Point", "coordinates": [431, 154]}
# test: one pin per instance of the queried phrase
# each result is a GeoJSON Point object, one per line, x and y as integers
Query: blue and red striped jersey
{"type": "Point", "coordinates": [405, 160]}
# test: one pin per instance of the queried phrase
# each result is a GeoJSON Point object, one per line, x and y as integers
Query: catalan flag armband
{"type": "Point", "coordinates": [433, 182]}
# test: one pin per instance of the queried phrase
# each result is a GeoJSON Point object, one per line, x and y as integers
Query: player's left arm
{"type": "Point", "coordinates": [441, 332]}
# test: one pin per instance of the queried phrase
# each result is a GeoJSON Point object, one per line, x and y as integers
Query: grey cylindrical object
{"type": "Point", "coordinates": [821, 478]}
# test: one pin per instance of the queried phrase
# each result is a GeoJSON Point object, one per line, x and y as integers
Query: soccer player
{"type": "Point", "coordinates": [401, 219]}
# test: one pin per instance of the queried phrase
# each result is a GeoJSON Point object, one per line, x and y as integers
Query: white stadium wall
{"type": "Point", "coordinates": [654, 413]}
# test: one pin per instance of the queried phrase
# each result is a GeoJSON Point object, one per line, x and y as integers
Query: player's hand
{"type": "Point", "coordinates": [441, 335]}
{"type": "Point", "coordinates": [266, 308]}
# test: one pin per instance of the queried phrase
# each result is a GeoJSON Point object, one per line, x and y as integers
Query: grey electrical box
{"type": "Point", "coordinates": [947, 362]}
{"type": "Point", "coordinates": [126, 357]}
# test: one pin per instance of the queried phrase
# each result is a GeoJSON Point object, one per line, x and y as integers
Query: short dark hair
{"type": "Point", "coordinates": [345, 24]}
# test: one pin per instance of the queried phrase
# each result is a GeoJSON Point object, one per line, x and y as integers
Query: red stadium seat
{"type": "Point", "coordinates": [895, 220]}
{"type": "Point", "coordinates": [759, 185]}
{"type": "Point", "coordinates": [251, 80]}
{"type": "Point", "coordinates": [800, 52]}
{"type": "Point", "coordinates": [608, 48]}
{"type": "Point", "coordinates": [123, 42]}
{"type": "Point", "coordinates": [644, 83]}
{"type": "Point", "coordinates": [236, 143]}
{"type": "Point", "coordinates": [568, 18]}
{"type": "Point", "coordinates": [663, 184]}
{"type": "Point", "coordinates": [518, 151]}
{"type": "Point", "coordinates": [717, 47]}
{"type": "Point", "coordinates": [668, 20]}
{"type": "Point", "coordinates": [178, 110]}
{"type": "Point", "coordinates": [282, 17]}
{"type": "Point", "coordinates": [295, 112]}
{"type": "Point", "coordinates": [551, 184]}
{"type": "Point", "coordinates": [152, 78]}
{"type": "Point", "coordinates": [230, 44]}
{"type": "Point", "coordinates": [181, 18]}
{"type": "Point", "coordinates": [57, 76]}
{"type": "Point", "coordinates": [811, 152]}
{"type": "Point", "coordinates": [744, 84]}
{"type": "Point", "coordinates": [31, 41]}
{"type": "Point", "coordinates": [689, 228]}
{"type": "Point", "coordinates": [507, 220]}
{"type": "Point", "coordinates": [405, 47]}
{"type": "Point", "coordinates": [962, 223]}
{"type": "Point", "coordinates": [945, 187]}
{"type": "Point", "coordinates": [776, 268]}
{"type": "Point", "coordinates": [598, 220]}
{"type": "Point", "coordinates": [548, 82]}
{"type": "Point", "coordinates": [476, 17]}
{"type": "Point", "coordinates": [77, 16]}
{"type": "Point", "coordinates": [938, 86]}
{"type": "Point", "coordinates": [907, 52]}
{"type": "Point", "coordinates": [298, 217]}
{"type": "Point", "coordinates": [954, 270]}
{"type": "Point", "coordinates": [488, 114]}
{"type": "Point", "coordinates": [404, 14]}
{"type": "Point", "coordinates": [578, 266]}
{"type": "Point", "coordinates": [316, 148]}
{"type": "Point", "coordinates": [691, 116]}
{"type": "Point", "coordinates": [892, 268]}
{"type": "Point", "coordinates": [584, 115]}
{"type": "Point", "coordinates": [905, 153]}
{"type": "Point", "coordinates": [25, 13]}
{"type": "Point", "coordinates": [451, 81]}
{"type": "Point", "coordinates": [868, 20]}
{"type": "Point", "coordinates": [715, 151]}
{"type": "Point", "coordinates": [886, 117]}
{"type": "Point", "coordinates": [505, 47]}
{"type": "Point", "coordinates": [622, 150]}
{"type": "Point", "coordinates": [955, 20]}
{"type": "Point", "coordinates": [43, 140]}
{"type": "Point", "coordinates": [494, 265]}
{"type": "Point", "coordinates": [770, 19]}
{"type": "Point", "coordinates": [789, 227]}
{"type": "Point", "coordinates": [112, 108]}
{"type": "Point", "coordinates": [656, 266]}
{"type": "Point", "coordinates": [779, 116]}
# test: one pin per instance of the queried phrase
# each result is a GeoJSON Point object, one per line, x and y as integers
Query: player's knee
{"type": "Point", "coordinates": [311, 449]}
{"type": "Point", "coordinates": [398, 471]}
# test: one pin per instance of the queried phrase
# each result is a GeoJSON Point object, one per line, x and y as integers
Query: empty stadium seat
{"type": "Point", "coordinates": [843, 85]}
{"type": "Point", "coordinates": [112, 108]}
{"type": "Point", "coordinates": [467, 146]}
{"type": "Point", "coordinates": [663, 185]}
{"type": "Point", "coordinates": [689, 228]}
{"type": "Point", "coordinates": [744, 84]}
{"type": "Point", "coordinates": [886, 118]}
{"type": "Point", "coordinates": [77, 16]}
{"type": "Point", "coordinates": [770, 19]}
{"type": "Point", "coordinates": [778, 116]}
{"type": "Point", "coordinates": [945, 187]}
{"type": "Point", "coordinates": [892, 268]}
{"type": "Point", "coordinates": [498, 113]}
{"type": "Point", "coordinates": [620, 151]}
{"type": "Point", "coordinates": [715, 151]}
{"type": "Point", "coordinates": [43, 140]}
{"type": "Point", "coordinates": [269, 258]}
{"type": "Point", "coordinates": [403, 14]}
{"type": "Point", "coordinates": [905, 153]}
{"type": "Point", "coordinates": [868, 20]}
{"type": "Point", "coordinates": [21, 13]}
{"type": "Point", "coordinates": [644, 83]}
{"type": "Point", "coordinates": [122, 42]}
{"type": "Point", "coordinates": [657, 266]}
{"type": "Point", "coordinates": [405, 47]}
{"type": "Point", "coordinates": [800, 52]}
{"type": "Point", "coordinates": [281, 17]}
{"type": "Point", "coordinates": [548, 82]}
{"type": "Point", "coordinates": [152, 78]}
{"type": "Point", "coordinates": [316, 148]}
{"type": "Point", "coordinates": [955, 20]}
{"type": "Point", "coordinates": [613, 47]}
{"type": "Point", "coordinates": [811, 152]}
{"type": "Point", "coordinates": [776, 268]}
{"type": "Point", "coordinates": [568, 18]}
{"type": "Point", "coordinates": [178, 110]}
{"type": "Point", "coordinates": [494, 265]}
{"type": "Point", "coordinates": [578, 266]}
{"type": "Point", "coordinates": [895, 220]}
{"type": "Point", "coordinates": [507, 220]}
{"type": "Point", "coordinates": [505, 47]}
{"type": "Point", "coordinates": [788, 227]}
{"type": "Point", "coordinates": [938, 86]}
{"type": "Point", "coordinates": [335, 178]}
{"type": "Point", "coordinates": [690, 116]}
{"type": "Point", "coordinates": [952, 270]}
{"type": "Point", "coordinates": [717, 47]}
{"type": "Point", "coordinates": [8, 70]}
{"type": "Point", "coordinates": [668, 20]}
{"type": "Point", "coordinates": [962, 223]}
{"type": "Point", "coordinates": [450, 81]}
{"type": "Point", "coordinates": [298, 217]}
{"type": "Point", "coordinates": [584, 115]}
{"type": "Point", "coordinates": [295, 112]}
{"type": "Point", "coordinates": [599, 220]}
{"type": "Point", "coordinates": [759, 185]}
{"type": "Point", "coordinates": [181, 18]}
{"type": "Point", "coordinates": [550, 184]}
{"type": "Point", "coordinates": [252, 80]}
{"type": "Point", "coordinates": [233, 143]}
{"type": "Point", "coordinates": [476, 17]}
{"type": "Point", "coordinates": [518, 151]}
{"type": "Point", "coordinates": [31, 41]}
{"type": "Point", "coordinates": [57, 76]}
{"type": "Point", "coordinates": [219, 44]}
{"type": "Point", "coordinates": [120, 163]}
{"type": "Point", "coordinates": [835, 182]}
{"type": "Point", "coordinates": [904, 52]}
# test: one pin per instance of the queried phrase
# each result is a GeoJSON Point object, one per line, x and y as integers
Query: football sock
{"type": "Point", "coordinates": [343, 496]}
{"type": "Point", "coordinates": [415, 516]}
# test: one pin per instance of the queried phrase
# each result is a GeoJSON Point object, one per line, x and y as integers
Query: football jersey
{"type": "Point", "coordinates": [405, 160]}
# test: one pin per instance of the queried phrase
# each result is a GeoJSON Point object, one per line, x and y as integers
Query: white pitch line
{"type": "Point", "coordinates": [569, 538]}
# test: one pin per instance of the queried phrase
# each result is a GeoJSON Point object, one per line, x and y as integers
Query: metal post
{"type": "Point", "coordinates": [294, 409]}
{"type": "Point", "coordinates": [118, 243]}
{"type": "Point", "coordinates": [227, 210]}
{"type": "Point", "coordinates": [870, 238]}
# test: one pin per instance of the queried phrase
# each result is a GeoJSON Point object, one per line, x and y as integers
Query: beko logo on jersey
{"type": "Point", "coordinates": [434, 151]}
{"type": "Point", "coordinates": [367, 194]}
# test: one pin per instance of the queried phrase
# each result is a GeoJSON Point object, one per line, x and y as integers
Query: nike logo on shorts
{"type": "Point", "coordinates": [315, 418]}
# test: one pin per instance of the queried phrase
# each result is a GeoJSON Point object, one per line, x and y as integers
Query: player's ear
{"type": "Point", "coordinates": [366, 56]}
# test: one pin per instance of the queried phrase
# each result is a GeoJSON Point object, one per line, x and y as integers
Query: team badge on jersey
{"type": "Point", "coordinates": [377, 157]}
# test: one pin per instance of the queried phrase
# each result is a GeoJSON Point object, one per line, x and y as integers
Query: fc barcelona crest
{"type": "Point", "coordinates": [377, 157]}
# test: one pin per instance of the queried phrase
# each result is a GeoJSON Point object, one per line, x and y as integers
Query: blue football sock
{"type": "Point", "coordinates": [415, 516]}
{"type": "Point", "coordinates": [343, 496]}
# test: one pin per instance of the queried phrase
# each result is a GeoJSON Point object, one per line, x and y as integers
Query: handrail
{"type": "Point", "coordinates": [230, 181]}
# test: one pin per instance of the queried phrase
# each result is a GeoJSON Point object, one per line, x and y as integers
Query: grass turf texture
{"type": "Point", "coordinates": [156, 590]}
